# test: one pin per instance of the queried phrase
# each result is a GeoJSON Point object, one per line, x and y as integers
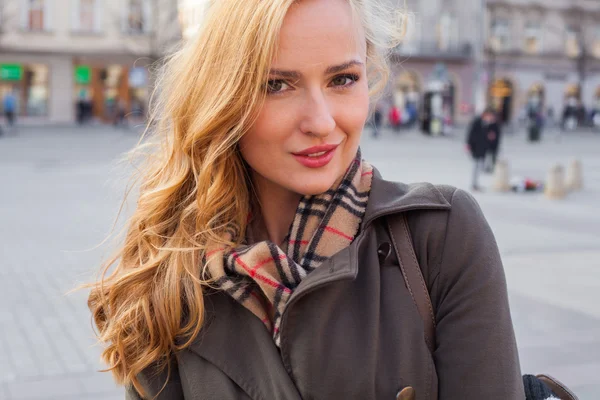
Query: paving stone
{"type": "Point", "coordinates": [99, 383]}
{"type": "Point", "coordinates": [62, 189]}
{"type": "Point", "coordinates": [46, 388]}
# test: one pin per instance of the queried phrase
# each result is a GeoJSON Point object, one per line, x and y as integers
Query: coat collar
{"type": "Point", "coordinates": [385, 198]}
{"type": "Point", "coordinates": [393, 197]}
{"type": "Point", "coordinates": [219, 341]}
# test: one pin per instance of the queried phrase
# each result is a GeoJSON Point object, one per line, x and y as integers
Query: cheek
{"type": "Point", "coordinates": [271, 129]}
{"type": "Point", "coordinates": [353, 113]}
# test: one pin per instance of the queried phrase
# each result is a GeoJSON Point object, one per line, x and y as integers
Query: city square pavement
{"type": "Point", "coordinates": [61, 189]}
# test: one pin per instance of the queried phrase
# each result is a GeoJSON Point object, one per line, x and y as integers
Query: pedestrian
{"type": "Point", "coordinates": [377, 119]}
{"type": "Point", "coordinates": [534, 123]}
{"type": "Point", "coordinates": [261, 261]}
{"type": "Point", "coordinates": [80, 107]}
{"type": "Point", "coordinates": [395, 117]}
{"type": "Point", "coordinates": [10, 107]}
{"type": "Point", "coordinates": [120, 118]}
{"type": "Point", "coordinates": [483, 138]}
{"type": "Point", "coordinates": [411, 113]}
{"type": "Point", "coordinates": [494, 137]}
{"type": "Point", "coordinates": [550, 117]}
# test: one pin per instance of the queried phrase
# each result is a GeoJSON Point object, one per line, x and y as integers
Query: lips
{"type": "Point", "coordinates": [317, 156]}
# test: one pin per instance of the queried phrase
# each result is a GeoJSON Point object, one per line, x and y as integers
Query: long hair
{"type": "Point", "coordinates": [193, 183]}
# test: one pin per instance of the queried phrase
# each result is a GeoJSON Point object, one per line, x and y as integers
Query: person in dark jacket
{"type": "Point", "coordinates": [260, 263]}
{"type": "Point", "coordinates": [483, 138]}
{"type": "Point", "coordinates": [377, 119]}
{"type": "Point", "coordinates": [494, 136]}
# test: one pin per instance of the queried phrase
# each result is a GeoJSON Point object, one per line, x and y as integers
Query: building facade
{"type": "Point", "coordinates": [433, 68]}
{"type": "Point", "coordinates": [56, 55]}
{"type": "Point", "coordinates": [543, 51]}
{"type": "Point", "coordinates": [513, 51]}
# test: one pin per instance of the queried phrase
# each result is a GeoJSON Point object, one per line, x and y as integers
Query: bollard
{"type": "Point", "coordinates": [501, 177]}
{"type": "Point", "coordinates": [555, 183]}
{"type": "Point", "coordinates": [574, 176]}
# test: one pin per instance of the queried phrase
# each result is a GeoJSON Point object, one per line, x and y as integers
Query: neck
{"type": "Point", "coordinates": [277, 210]}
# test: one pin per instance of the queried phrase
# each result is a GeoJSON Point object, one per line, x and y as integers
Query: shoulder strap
{"type": "Point", "coordinates": [411, 271]}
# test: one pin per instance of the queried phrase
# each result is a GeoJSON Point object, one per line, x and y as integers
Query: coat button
{"type": "Point", "coordinates": [384, 251]}
{"type": "Point", "coordinates": [408, 393]}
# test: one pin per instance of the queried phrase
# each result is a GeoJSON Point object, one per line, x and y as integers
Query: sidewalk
{"type": "Point", "coordinates": [62, 189]}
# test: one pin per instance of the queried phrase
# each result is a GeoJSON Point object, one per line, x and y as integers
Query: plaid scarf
{"type": "Point", "coordinates": [262, 276]}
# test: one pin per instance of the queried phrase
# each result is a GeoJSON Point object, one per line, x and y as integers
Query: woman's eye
{"type": "Point", "coordinates": [344, 80]}
{"type": "Point", "coordinates": [276, 86]}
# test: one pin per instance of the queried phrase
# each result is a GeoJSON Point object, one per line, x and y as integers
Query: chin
{"type": "Point", "coordinates": [314, 187]}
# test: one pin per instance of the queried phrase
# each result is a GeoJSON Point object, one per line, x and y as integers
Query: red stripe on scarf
{"type": "Point", "coordinates": [299, 241]}
{"type": "Point", "coordinates": [339, 233]}
{"type": "Point", "coordinates": [267, 260]}
{"type": "Point", "coordinates": [256, 275]}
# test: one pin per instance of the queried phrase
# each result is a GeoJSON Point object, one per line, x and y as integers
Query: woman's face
{"type": "Point", "coordinates": [308, 130]}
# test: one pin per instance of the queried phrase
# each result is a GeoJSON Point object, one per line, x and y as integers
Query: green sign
{"type": "Point", "coordinates": [11, 72]}
{"type": "Point", "coordinates": [83, 74]}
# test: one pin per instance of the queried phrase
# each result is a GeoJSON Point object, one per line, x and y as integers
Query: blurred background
{"type": "Point", "coordinates": [76, 78]}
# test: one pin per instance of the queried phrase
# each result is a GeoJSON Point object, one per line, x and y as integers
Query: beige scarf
{"type": "Point", "coordinates": [262, 276]}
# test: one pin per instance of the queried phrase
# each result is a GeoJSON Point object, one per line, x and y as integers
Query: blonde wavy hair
{"type": "Point", "coordinates": [193, 183]}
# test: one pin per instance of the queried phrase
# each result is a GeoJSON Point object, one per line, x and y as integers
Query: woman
{"type": "Point", "coordinates": [257, 264]}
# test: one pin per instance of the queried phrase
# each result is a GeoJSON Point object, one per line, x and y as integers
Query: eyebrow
{"type": "Point", "coordinates": [329, 71]}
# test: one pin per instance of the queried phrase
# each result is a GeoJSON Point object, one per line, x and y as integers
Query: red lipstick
{"type": "Point", "coordinates": [317, 156]}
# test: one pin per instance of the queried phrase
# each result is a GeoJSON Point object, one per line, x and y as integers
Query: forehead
{"type": "Point", "coordinates": [318, 32]}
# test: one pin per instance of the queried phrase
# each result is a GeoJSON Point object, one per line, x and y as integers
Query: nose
{"type": "Point", "coordinates": [317, 119]}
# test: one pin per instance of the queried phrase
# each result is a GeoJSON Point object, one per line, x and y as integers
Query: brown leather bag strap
{"type": "Point", "coordinates": [411, 271]}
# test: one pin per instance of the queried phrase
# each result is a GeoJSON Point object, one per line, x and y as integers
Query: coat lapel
{"type": "Point", "coordinates": [230, 331]}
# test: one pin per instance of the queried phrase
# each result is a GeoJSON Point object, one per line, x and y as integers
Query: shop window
{"type": "Point", "coordinates": [138, 91]}
{"type": "Point", "coordinates": [30, 85]}
{"type": "Point", "coordinates": [573, 93]}
{"type": "Point", "coordinates": [536, 96]}
{"type": "Point", "coordinates": [501, 98]}
{"type": "Point", "coordinates": [36, 90]}
{"type": "Point", "coordinates": [111, 78]}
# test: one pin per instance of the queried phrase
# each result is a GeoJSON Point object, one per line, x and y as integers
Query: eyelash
{"type": "Point", "coordinates": [353, 78]}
